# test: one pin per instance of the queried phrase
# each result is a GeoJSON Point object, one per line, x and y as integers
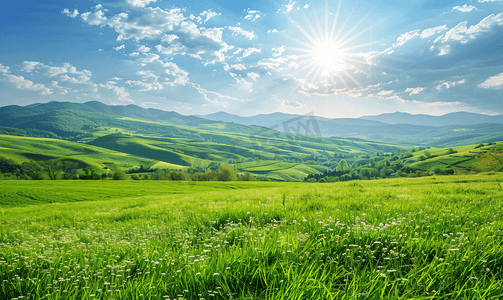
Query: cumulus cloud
{"type": "Point", "coordinates": [4, 69]}
{"type": "Point", "coordinates": [97, 18]}
{"type": "Point", "coordinates": [493, 82]}
{"type": "Point", "coordinates": [464, 8]}
{"type": "Point", "coordinates": [73, 14]}
{"type": "Point", "coordinates": [463, 34]}
{"type": "Point", "coordinates": [120, 47]}
{"type": "Point", "coordinates": [238, 30]}
{"type": "Point", "coordinates": [140, 3]}
{"type": "Point", "coordinates": [24, 84]}
{"type": "Point", "coordinates": [121, 92]}
{"type": "Point", "coordinates": [175, 33]}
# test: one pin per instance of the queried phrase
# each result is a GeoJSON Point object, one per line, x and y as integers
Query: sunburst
{"type": "Point", "coordinates": [328, 54]}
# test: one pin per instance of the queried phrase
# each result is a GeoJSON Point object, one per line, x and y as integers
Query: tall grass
{"type": "Point", "coordinates": [426, 238]}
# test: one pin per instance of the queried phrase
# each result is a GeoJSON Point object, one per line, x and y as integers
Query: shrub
{"type": "Point", "coordinates": [322, 180]}
{"type": "Point", "coordinates": [119, 175]}
{"type": "Point", "coordinates": [311, 180]}
{"type": "Point", "coordinates": [135, 177]}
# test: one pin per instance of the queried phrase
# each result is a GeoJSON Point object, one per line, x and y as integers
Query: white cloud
{"type": "Point", "coordinates": [493, 82]}
{"type": "Point", "coordinates": [432, 31]}
{"type": "Point", "coordinates": [464, 8]}
{"type": "Point", "coordinates": [449, 84]}
{"type": "Point", "coordinates": [120, 47]}
{"type": "Point", "coordinates": [67, 68]}
{"type": "Point", "coordinates": [143, 48]}
{"type": "Point", "coordinates": [463, 34]}
{"type": "Point", "coordinates": [252, 15]}
{"type": "Point", "coordinates": [177, 34]}
{"type": "Point", "coordinates": [406, 37]}
{"type": "Point", "coordinates": [238, 30]}
{"type": "Point", "coordinates": [289, 6]}
{"type": "Point", "coordinates": [61, 90]}
{"type": "Point", "coordinates": [250, 51]}
{"type": "Point", "coordinates": [140, 3]}
{"type": "Point", "coordinates": [73, 14]}
{"type": "Point", "coordinates": [97, 18]}
{"type": "Point", "coordinates": [306, 6]}
{"type": "Point", "coordinates": [482, 1]}
{"type": "Point", "coordinates": [272, 30]}
{"type": "Point", "coordinates": [278, 51]}
{"type": "Point", "coordinates": [414, 91]}
{"type": "Point", "coordinates": [4, 69]}
{"type": "Point", "coordinates": [176, 74]}
{"type": "Point", "coordinates": [24, 84]}
{"type": "Point", "coordinates": [208, 14]}
{"type": "Point", "coordinates": [119, 91]}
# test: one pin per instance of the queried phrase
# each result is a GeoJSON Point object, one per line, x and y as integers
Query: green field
{"type": "Point", "coordinates": [436, 237]}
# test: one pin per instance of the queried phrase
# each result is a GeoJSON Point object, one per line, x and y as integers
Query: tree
{"type": "Point", "coordinates": [398, 153]}
{"type": "Point", "coordinates": [119, 175]}
{"type": "Point", "coordinates": [451, 151]}
{"type": "Point", "coordinates": [69, 169]}
{"type": "Point", "coordinates": [247, 176]}
{"type": "Point", "coordinates": [32, 169]}
{"type": "Point", "coordinates": [343, 166]}
{"type": "Point", "coordinates": [226, 173]}
{"type": "Point", "coordinates": [90, 173]}
{"type": "Point", "coordinates": [311, 180]}
{"type": "Point", "coordinates": [53, 168]}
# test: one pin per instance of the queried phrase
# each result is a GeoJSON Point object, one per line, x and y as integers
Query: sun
{"type": "Point", "coordinates": [327, 56]}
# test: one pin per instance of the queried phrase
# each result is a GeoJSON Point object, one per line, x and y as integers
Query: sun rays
{"type": "Point", "coordinates": [327, 54]}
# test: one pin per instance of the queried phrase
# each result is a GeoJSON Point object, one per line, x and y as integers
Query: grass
{"type": "Point", "coordinates": [24, 149]}
{"type": "Point", "coordinates": [417, 238]}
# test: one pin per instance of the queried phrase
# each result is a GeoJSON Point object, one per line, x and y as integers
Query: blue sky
{"type": "Point", "coordinates": [333, 58]}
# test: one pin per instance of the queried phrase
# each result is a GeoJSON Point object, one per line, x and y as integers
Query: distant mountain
{"type": "Point", "coordinates": [78, 121]}
{"type": "Point", "coordinates": [457, 118]}
{"type": "Point", "coordinates": [457, 128]}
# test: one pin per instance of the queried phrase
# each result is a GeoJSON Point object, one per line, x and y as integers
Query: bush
{"type": "Point", "coordinates": [226, 173]}
{"type": "Point", "coordinates": [322, 180]}
{"type": "Point", "coordinates": [311, 180]}
{"type": "Point", "coordinates": [247, 177]}
{"type": "Point", "coordinates": [135, 177]}
{"type": "Point", "coordinates": [451, 151]}
{"type": "Point", "coordinates": [119, 175]}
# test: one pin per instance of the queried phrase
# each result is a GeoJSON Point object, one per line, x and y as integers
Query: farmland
{"type": "Point", "coordinates": [435, 237]}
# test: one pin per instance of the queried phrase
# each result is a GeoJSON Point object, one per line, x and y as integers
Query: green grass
{"type": "Point", "coordinates": [415, 238]}
{"type": "Point", "coordinates": [24, 149]}
{"type": "Point", "coordinates": [467, 159]}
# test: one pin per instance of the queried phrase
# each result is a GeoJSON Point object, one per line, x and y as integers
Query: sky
{"type": "Point", "coordinates": [332, 58]}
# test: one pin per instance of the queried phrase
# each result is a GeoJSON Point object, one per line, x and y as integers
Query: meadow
{"type": "Point", "coordinates": [437, 237]}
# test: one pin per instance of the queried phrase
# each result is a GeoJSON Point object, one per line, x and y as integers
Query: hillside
{"type": "Point", "coordinates": [79, 121]}
{"type": "Point", "coordinates": [23, 149]}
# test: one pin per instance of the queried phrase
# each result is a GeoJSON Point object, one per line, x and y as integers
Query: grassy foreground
{"type": "Point", "coordinates": [415, 238]}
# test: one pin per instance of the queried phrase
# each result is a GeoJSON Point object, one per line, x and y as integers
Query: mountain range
{"type": "Point", "coordinates": [73, 120]}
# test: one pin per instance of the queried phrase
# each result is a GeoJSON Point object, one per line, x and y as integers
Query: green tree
{"type": "Point", "coordinates": [119, 175]}
{"type": "Point", "coordinates": [311, 180]}
{"type": "Point", "coordinates": [247, 176]}
{"type": "Point", "coordinates": [69, 169]}
{"type": "Point", "coordinates": [343, 166]}
{"type": "Point", "coordinates": [32, 169]}
{"type": "Point", "coordinates": [53, 168]}
{"type": "Point", "coordinates": [226, 173]}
